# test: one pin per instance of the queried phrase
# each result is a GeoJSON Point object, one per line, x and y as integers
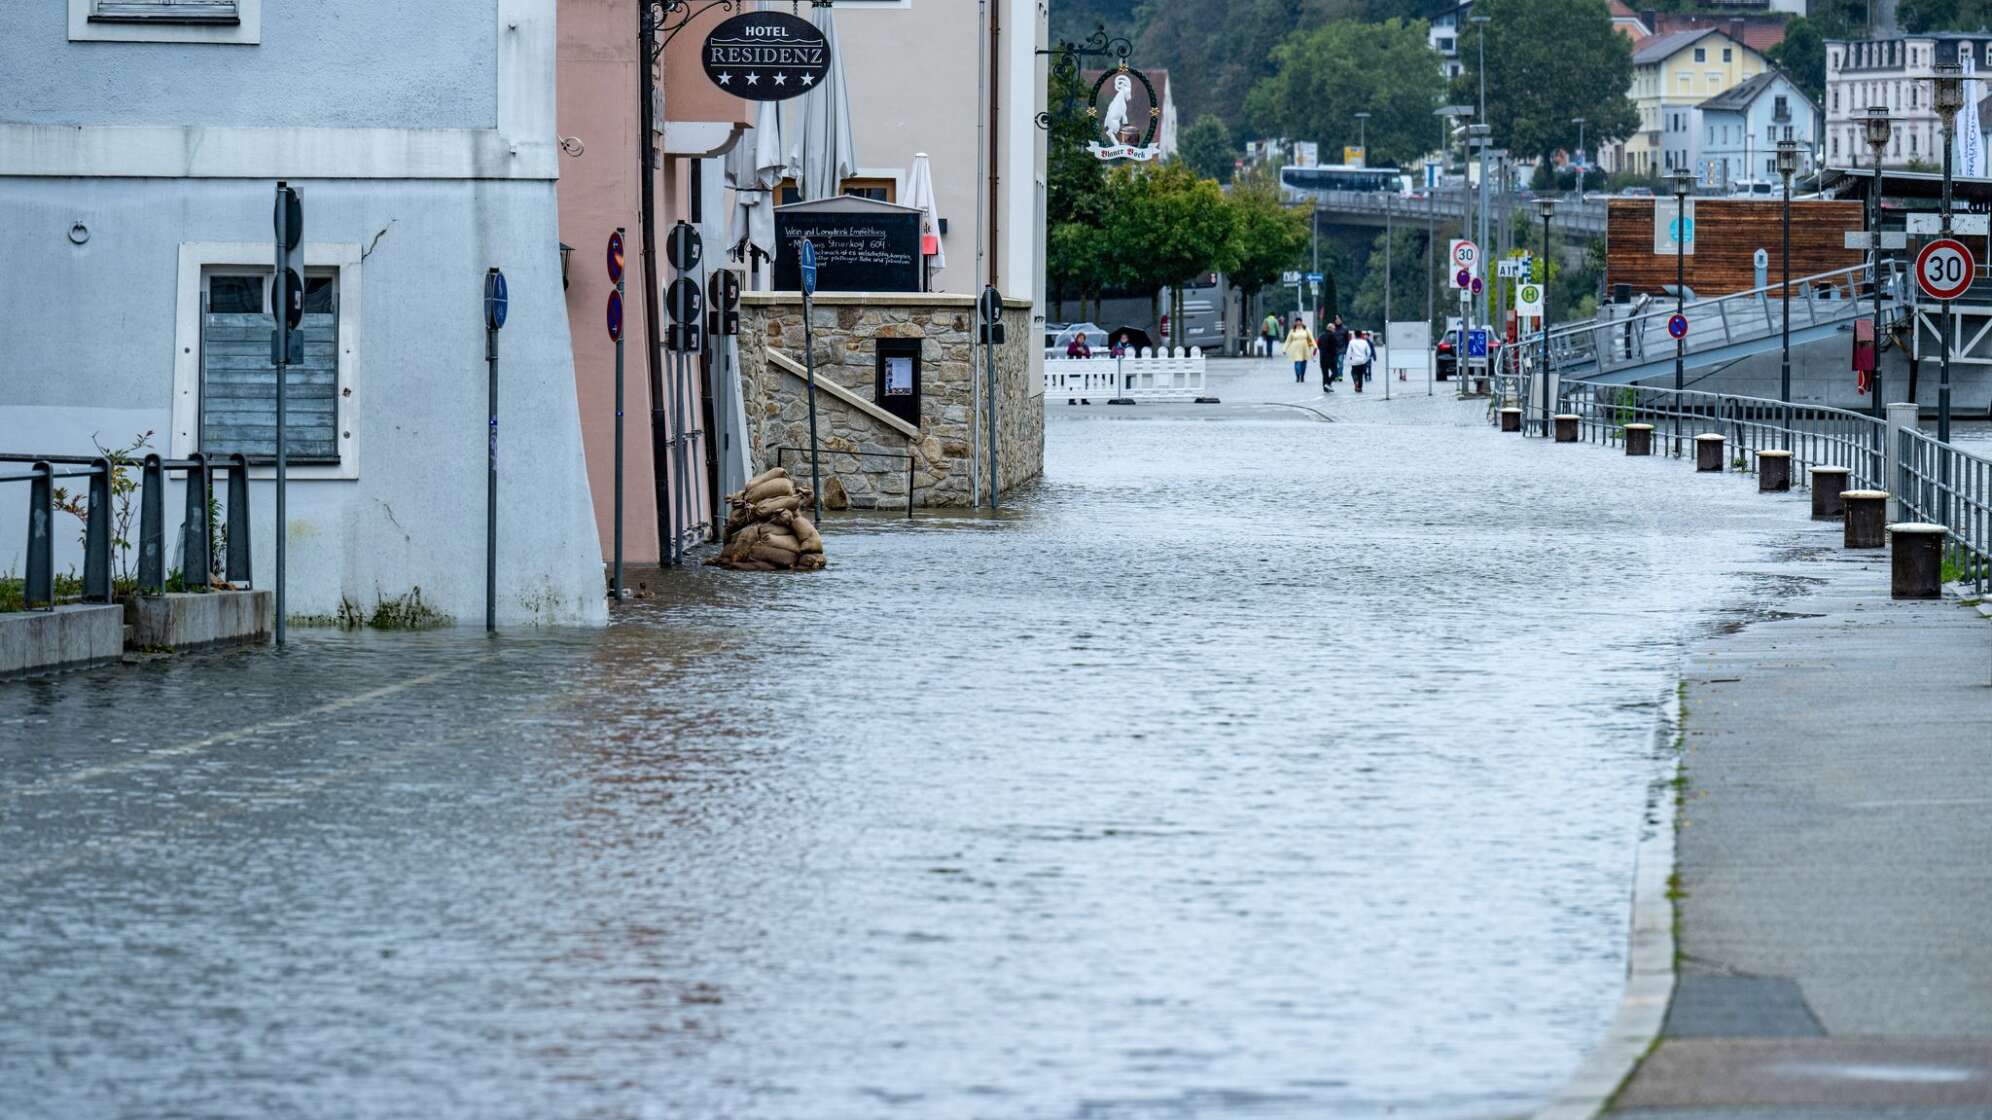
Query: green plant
{"type": "Point", "coordinates": [405, 612]}
{"type": "Point", "coordinates": [123, 486]}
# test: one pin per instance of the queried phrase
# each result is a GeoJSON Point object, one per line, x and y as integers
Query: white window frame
{"type": "Point", "coordinates": [196, 258]}
{"type": "Point", "coordinates": [247, 30]}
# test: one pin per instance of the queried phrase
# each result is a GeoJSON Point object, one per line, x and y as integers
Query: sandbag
{"type": "Point", "coordinates": [773, 488]}
{"type": "Point", "coordinates": [768, 508]}
{"type": "Point", "coordinates": [806, 534]}
{"type": "Point", "coordinates": [739, 544]}
{"type": "Point", "coordinates": [770, 473]}
{"type": "Point", "coordinates": [782, 540]}
{"type": "Point", "coordinates": [810, 562]}
{"type": "Point", "coordinates": [769, 554]}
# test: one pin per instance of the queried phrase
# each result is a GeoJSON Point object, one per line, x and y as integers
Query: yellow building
{"type": "Point", "coordinates": [1671, 74]}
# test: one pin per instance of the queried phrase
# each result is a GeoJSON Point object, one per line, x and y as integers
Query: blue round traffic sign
{"type": "Point", "coordinates": [1477, 285]}
{"type": "Point", "coordinates": [615, 256]}
{"type": "Point", "coordinates": [1677, 325]}
{"type": "Point", "coordinates": [496, 299]}
{"type": "Point", "coordinates": [808, 262]}
{"type": "Point", "coordinates": [1462, 278]}
{"type": "Point", "coordinates": [615, 315]}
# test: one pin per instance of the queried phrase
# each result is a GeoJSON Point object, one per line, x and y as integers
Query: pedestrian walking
{"type": "Point", "coordinates": [1269, 334]}
{"type": "Point", "coordinates": [1331, 357]}
{"type": "Point", "coordinates": [1300, 346]}
{"type": "Point", "coordinates": [1361, 354]}
{"type": "Point", "coordinates": [1340, 331]}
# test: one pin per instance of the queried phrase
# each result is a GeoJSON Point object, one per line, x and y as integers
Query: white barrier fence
{"type": "Point", "coordinates": [1173, 374]}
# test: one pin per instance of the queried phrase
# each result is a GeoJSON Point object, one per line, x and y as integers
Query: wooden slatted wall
{"type": "Point", "coordinates": [239, 406]}
{"type": "Point", "coordinates": [1728, 233]}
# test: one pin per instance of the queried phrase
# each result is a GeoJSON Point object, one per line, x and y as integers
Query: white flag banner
{"type": "Point", "coordinates": [1970, 142]}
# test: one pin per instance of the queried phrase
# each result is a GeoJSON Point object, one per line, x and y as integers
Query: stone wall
{"type": "Point", "coordinates": [846, 327]}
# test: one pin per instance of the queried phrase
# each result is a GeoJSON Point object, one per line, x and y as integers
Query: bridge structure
{"type": "Point", "coordinates": [1574, 220]}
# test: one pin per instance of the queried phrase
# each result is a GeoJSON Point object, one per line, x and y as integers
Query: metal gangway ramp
{"type": "Point", "coordinates": [1635, 346]}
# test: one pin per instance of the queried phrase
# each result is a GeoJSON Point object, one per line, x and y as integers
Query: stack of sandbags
{"type": "Point", "coordinates": [767, 531]}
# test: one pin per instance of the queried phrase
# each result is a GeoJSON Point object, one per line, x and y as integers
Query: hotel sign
{"type": "Point", "coordinates": [766, 56]}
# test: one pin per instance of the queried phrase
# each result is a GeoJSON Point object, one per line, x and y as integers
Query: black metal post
{"type": "Point", "coordinates": [660, 472]}
{"type": "Point", "coordinates": [238, 569]}
{"type": "Point", "coordinates": [280, 308]}
{"type": "Point", "coordinates": [97, 535]}
{"type": "Point", "coordinates": [152, 528]}
{"type": "Point", "coordinates": [1874, 278]}
{"type": "Point", "coordinates": [809, 366]}
{"type": "Point", "coordinates": [1944, 330]}
{"type": "Point", "coordinates": [196, 527]}
{"type": "Point", "coordinates": [39, 585]}
{"type": "Point", "coordinates": [1542, 324]}
{"type": "Point", "coordinates": [992, 311]}
{"type": "Point", "coordinates": [1784, 367]}
{"type": "Point", "coordinates": [1680, 303]}
{"type": "Point", "coordinates": [708, 418]}
{"type": "Point", "coordinates": [491, 483]}
{"type": "Point", "coordinates": [616, 579]}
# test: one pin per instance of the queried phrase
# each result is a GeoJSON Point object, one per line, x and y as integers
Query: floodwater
{"type": "Point", "coordinates": [1251, 765]}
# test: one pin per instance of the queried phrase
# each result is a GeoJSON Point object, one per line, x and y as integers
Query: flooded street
{"type": "Point", "coordinates": [1252, 764]}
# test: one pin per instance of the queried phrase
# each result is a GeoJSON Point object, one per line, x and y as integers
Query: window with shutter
{"type": "Point", "coordinates": [166, 11]}
{"type": "Point", "coordinates": [238, 395]}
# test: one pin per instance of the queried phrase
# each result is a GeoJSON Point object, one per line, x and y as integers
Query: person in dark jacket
{"type": "Point", "coordinates": [1331, 366]}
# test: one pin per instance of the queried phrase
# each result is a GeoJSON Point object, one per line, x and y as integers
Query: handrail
{"type": "Point", "coordinates": [1945, 485]}
{"type": "Point", "coordinates": [1663, 310]}
{"type": "Point", "coordinates": [196, 528]}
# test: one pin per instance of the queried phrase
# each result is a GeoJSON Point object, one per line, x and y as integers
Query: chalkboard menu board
{"type": "Point", "coordinates": [855, 252]}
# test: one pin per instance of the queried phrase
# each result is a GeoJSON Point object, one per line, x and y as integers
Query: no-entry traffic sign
{"type": "Point", "coordinates": [1677, 325]}
{"type": "Point", "coordinates": [1944, 268]}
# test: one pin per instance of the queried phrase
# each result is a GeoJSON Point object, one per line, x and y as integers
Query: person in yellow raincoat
{"type": "Point", "coordinates": [1300, 346]}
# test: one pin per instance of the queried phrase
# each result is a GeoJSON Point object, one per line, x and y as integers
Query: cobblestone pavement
{"type": "Point", "coordinates": [1252, 764]}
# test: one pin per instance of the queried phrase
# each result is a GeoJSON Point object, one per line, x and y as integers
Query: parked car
{"type": "Point", "coordinates": [1636, 192]}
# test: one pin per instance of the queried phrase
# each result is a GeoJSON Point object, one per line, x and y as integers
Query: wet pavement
{"type": "Point", "coordinates": [1269, 758]}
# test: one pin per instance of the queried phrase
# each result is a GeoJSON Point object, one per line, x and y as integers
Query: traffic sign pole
{"type": "Point", "coordinates": [289, 221]}
{"type": "Point", "coordinates": [496, 303]}
{"type": "Point", "coordinates": [616, 332]}
{"type": "Point", "coordinates": [807, 255]}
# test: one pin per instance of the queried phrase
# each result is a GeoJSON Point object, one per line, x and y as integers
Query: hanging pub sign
{"type": "Point", "coordinates": [1128, 122]}
{"type": "Point", "coordinates": [766, 56]}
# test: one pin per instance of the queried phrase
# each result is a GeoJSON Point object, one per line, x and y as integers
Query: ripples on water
{"type": "Point", "coordinates": [1259, 767]}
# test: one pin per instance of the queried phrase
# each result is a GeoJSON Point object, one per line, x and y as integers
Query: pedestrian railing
{"type": "Point", "coordinates": [197, 526]}
{"type": "Point", "coordinates": [1942, 485]}
{"type": "Point", "coordinates": [1170, 374]}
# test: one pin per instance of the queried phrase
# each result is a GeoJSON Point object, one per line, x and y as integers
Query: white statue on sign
{"type": "Point", "coordinates": [1116, 118]}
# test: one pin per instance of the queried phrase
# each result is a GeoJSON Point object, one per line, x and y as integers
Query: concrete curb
{"type": "Point", "coordinates": [1649, 985]}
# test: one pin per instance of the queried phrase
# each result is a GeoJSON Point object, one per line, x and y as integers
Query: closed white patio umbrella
{"type": "Point", "coordinates": [920, 196]}
{"type": "Point", "coordinates": [821, 153]}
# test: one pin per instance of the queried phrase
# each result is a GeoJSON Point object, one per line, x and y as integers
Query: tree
{"type": "Point", "coordinates": [1802, 56]}
{"type": "Point", "coordinates": [1164, 225]}
{"type": "Point", "coordinates": [1206, 147]}
{"type": "Point", "coordinates": [1548, 63]}
{"type": "Point", "coordinates": [1408, 271]}
{"type": "Point", "coordinates": [1272, 238]}
{"type": "Point", "coordinates": [1075, 194]}
{"type": "Point", "coordinates": [1325, 75]}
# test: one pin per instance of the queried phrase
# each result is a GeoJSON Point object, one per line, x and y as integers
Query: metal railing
{"type": "Point", "coordinates": [196, 527]}
{"type": "Point", "coordinates": [781, 457]}
{"type": "Point", "coordinates": [1941, 485]}
{"type": "Point", "coordinates": [1640, 339]}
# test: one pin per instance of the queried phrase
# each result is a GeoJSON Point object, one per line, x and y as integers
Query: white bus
{"type": "Point", "coordinates": [1301, 184]}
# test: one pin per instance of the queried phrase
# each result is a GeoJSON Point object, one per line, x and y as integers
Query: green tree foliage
{"type": "Point", "coordinates": [1408, 271]}
{"type": "Point", "coordinates": [1076, 199]}
{"type": "Point", "coordinates": [1271, 236]}
{"type": "Point", "coordinates": [1325, 75]}
{"type": "Point", "coordinates": [1074, 20]}
{"type": "Point", "coordinates": [1548, 63]}
{"type": "Point", "coordinates": [1206, 147]}
{"type": "Point", "coordinates": [1165, 226]}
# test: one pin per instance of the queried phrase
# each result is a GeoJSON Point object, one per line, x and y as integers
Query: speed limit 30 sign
{"type": "Point", "coordinates": [1944, 268]}
{"type": "Point", "coordinates": [1466, 256]}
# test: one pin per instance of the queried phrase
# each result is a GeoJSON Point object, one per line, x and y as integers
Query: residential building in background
{"type": "Point", "coordinates": [140, 148]}
{"type": "Point", "coordinates": [1445, 33]}
{"type": "Point", "coordinates": [1672, 75]}
{"type": "Point", "coordinates": [1894, 73]}
{"type": "Point", "coordinates": [1741, 126]}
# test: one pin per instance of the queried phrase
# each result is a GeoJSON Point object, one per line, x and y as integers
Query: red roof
{"type": "Point", "coordinates": [1759, 33]}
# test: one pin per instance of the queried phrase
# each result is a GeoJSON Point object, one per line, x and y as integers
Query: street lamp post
{"type": "Point", "coordinates": [1579, 122]}
{"type": "Point", "coordinates": [1948, 100]}
{"type": "Point", "coordinates": [1787, 166]}
{"type": "Point", "coordinates": [1362, 136]}
{"type": "Point", "coordinates": [1684, 184]}
{"type": "Point", "coordinates": [1546, 207]}
{"type": "Point", "coordinates": [1480, 139]}
{"type": "Point", "coordinates": [1878, 130]}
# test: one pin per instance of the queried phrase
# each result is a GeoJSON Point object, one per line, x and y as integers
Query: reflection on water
{"type": "Point", "coordinates": [1250, 767]}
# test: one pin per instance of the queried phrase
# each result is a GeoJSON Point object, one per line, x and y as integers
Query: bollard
{"type": "Point", "coordinates": [1773, 471]}
{"type": "Point", "coordinates": [1639, 439]}
{"type": "Point", "coordinates": [1708, 452]}
{"type": "Point", "coordinates": [1827, 485]}
{"type": "Point", "coordinates": [1511, 419]}
{"type": "Point", "coordinates": [1866, 512]}
{"type": "Point", "coordinates": [1566, 427]}
{"type": "Point", "coordinates": [1916, 561]}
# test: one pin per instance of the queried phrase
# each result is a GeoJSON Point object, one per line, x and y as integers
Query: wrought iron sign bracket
{"type": "Point", "coordinates": [663, 19]}
{"type": "Point", "coordinates": [1067, 55]}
